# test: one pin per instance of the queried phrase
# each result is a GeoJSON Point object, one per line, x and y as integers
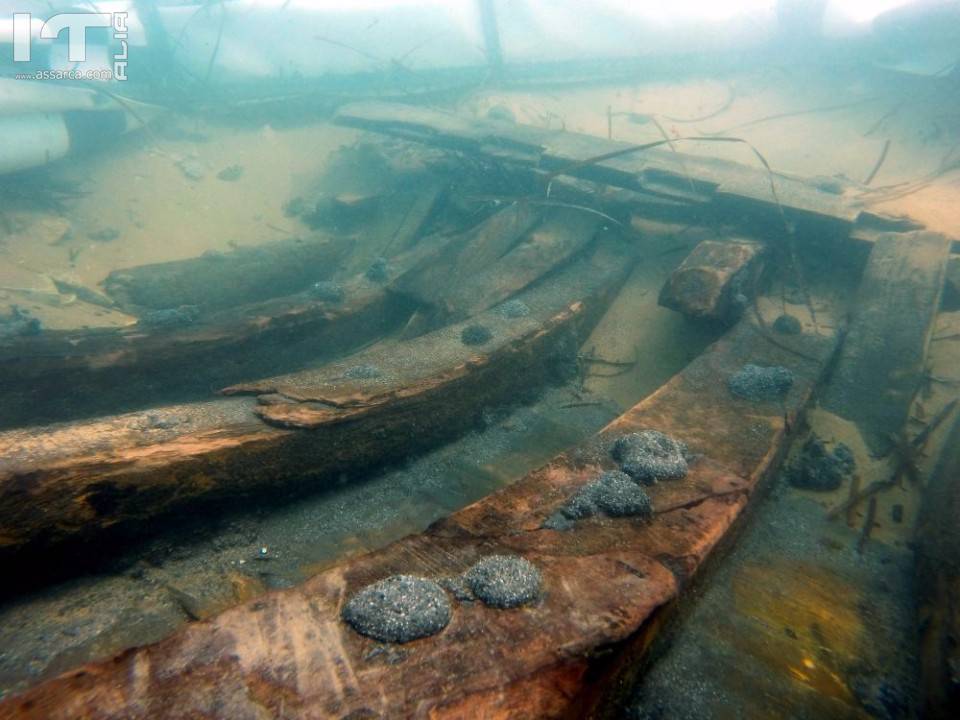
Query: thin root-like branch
{"type": "Point", "coordinates": [906, 453]}
{"type": "Point", "coordinates": [879, 163]}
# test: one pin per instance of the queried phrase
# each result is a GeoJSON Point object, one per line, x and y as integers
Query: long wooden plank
{"type": "Point", "coordinates": [290, 655]}
{"type": "Point", "coordinates": [217, 281]}
{"type": "Point", "coordinates": [62, 375]}
{"type": "Point", "coordinates": [433, 281]}
{"type": "Point", "coordinates": [77, 480]}
{"type": "Point", "coordinates": [65, 375]}
{"type": "Point", "coordinates": [882, 363]}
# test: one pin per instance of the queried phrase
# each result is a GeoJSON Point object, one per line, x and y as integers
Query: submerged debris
{"type": "Point", "coordinates": [295, 207]}
{"type": "Point", "coordinates": [231, 173]}
{"type": "Point", "coordinates": [504, 581]}
{"type": "Point", "coordinates": [399, 609]}
{"type": "Point", "coordinates": [171, 317]}
{"type": "Point", "coordinates": [107, 234]}
{"type": "Point", "coordinates": [328, 291]}
{"type": "Point", "coordinates": [475, 335]}
{"type": "Point", "coordinates": [513, 309]}
{"type": "Point", "coordinates": [755, 382]}
{"type": "Point", "coordinates": [820, 469]}
{"type": "Point", "coordinates": [614, 494]}
{"type": "Point", "coordinates": [20, 323]}
{"type": "Point", "coordinates": [192, 168]}
{"type": "Point", "coordinates": [379, 270]}
{"type": "Point", "coordinates": [650, 456]}
{"type": "Point", "coordinates": [502, 113]}
{"type": "Point", "coordinates": [362, 372]}
{"type": "Point", "coordinates": [787, 325]}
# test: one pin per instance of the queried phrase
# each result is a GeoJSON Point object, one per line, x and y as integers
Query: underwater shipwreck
{"type": "Point", "coordinates": [532, 389]}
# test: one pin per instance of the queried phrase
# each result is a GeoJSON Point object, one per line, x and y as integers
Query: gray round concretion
{"type": "Point", "coordinates": [787, 325]}
{"type": "Point", "coordinates": [475, 335]}
{"type": "Point", "coordinates": [650, 456]}
{"type": "Point", "coordinates": [616, 494]}
{"type": "Point", "coordinates": [504, 581]}
{"type": "Point", "coordinates": [613, 493]}
{"type": "Point", "coordinates": [328, 291]}
{"type": "Point", "coordinates": [513, 309]}
{"type": "Point", "coordinates": [398, 609]}
{"type": "Point", "coordinates": [756, 382]}
{"type": "Point", "coordinates": [362, 372]}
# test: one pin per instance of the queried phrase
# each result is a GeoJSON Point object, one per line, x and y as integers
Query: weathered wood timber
{"type": "Point", "coordinates": [76, 480]}
{"type": "Point", "coordinates": [488, 264]}
{"type": "Point", "coordinates": [289, 654]}
{"type": "Point", "coordinates": [562, 234]}
{"type": "Point", "coordinates": [435, 279]}
{"type": "Point", "coordinates": [72, 374]}
{"type": "Point", "coordinates": [216, 281]}
{"type": "Point", "coordinates": [731, 188]}
{"type": "Point", "coordinates": [882, 363]}
{"type": "Point", "coordinates": [713, 280]}
{"type": "Point", "coordinates": [952, 289]}
{"type": "Point", "coordinates": [938, 584]}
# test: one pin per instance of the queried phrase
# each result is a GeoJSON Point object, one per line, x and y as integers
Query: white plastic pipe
{"type": "Point", "coordinates": [19, 96]}
{"type": "Point", "coordinates": [31, 140]}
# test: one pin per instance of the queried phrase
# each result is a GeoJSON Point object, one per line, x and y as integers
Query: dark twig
{"type": "Point", "coordinates": [906, 453]}
{"type": "Point", "coordinates": [868, 525]}
{"type": "Point", "coordinates": [879, 163]}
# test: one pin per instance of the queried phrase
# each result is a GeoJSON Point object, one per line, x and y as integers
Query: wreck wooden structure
{"type": "Point", "coordinates": [389, 400]}
{"type": "Point", "coordinates": [606, 583]}
{"type": "Point", "coordinates": [609, 583]}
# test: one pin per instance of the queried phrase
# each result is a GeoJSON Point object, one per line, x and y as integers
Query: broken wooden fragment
{"type": "Point", "coordinates": [715, 281]}
{"type": "Point", "coordinates": [503, 255]}
{"type": "Point", "coordinates": [603, 583]}
{"type": "Point", "coordinates": [380, 193]}
{"type": "Point", "coordinates": [563, 233]}
{"type": "Point", "coordinates": [216, 281]}
{"type": "Point", "coordinates": [882, 363]}
{"type": "Point", "coordinates": [438, 277]}
{"type": "Point", "coordinates": [392, 400]}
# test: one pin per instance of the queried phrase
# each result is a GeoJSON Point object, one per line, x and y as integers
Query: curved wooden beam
{"type": "Point", "coordinates": [288, 654]}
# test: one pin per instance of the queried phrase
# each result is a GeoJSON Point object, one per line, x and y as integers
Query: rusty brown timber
{"type": "Point", "coordinates": [75, 480]}
{"type": "Point", "coordinates": [709, 279]}
{"type": "Point", "coordinates": [289, 655]}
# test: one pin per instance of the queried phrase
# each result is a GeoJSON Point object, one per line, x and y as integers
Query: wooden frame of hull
{"type": "Point", "coordinates": [289, 654]}
{"type": "Point", "coordinates": [78, 480]}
